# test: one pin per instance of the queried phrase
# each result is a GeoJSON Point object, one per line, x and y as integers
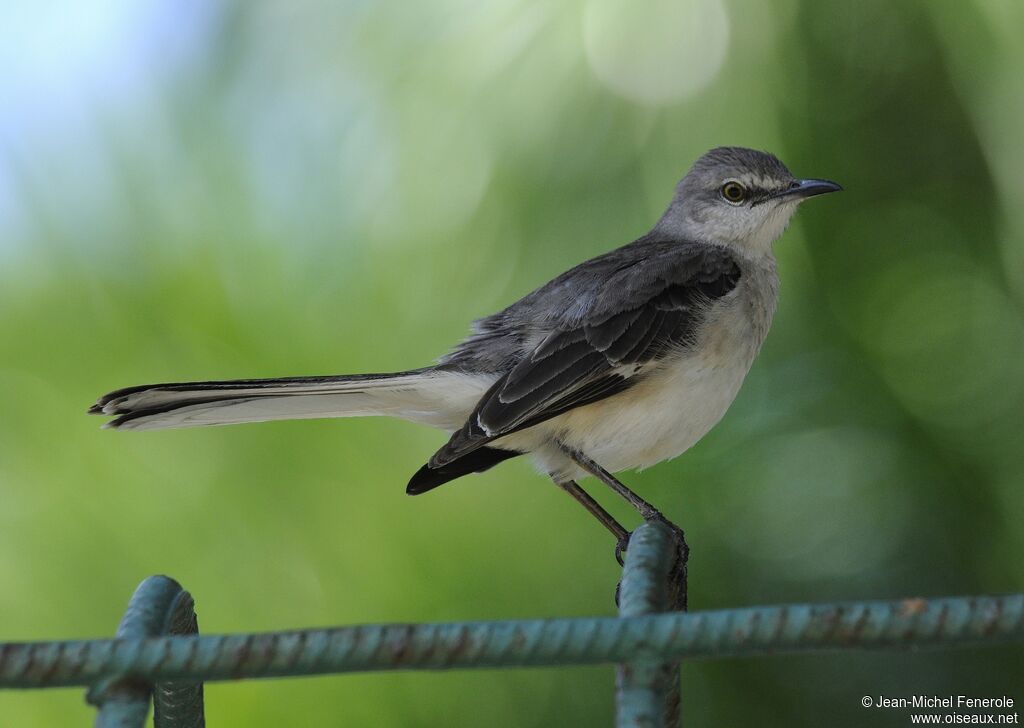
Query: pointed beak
{"type": "Point", "coordinates": [804, 188]}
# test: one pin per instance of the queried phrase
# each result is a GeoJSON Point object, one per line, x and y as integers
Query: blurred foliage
{"type": "Point", "coordinates": [220, 190]}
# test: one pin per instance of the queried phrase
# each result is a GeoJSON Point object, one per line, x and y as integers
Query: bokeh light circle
{"type": "Point", "coordinates": [655, 52]}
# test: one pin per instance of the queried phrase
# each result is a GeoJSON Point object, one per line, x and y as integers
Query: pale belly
{"type": "Point", "coordinates": [660, 417]}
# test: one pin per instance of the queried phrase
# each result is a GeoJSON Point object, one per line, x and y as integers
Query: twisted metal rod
{"type": "Point", "coordinates": [791, 628]}
{"type": "Point", "coordinates": [647, 691]}
{"type": "Point", "coordinates": [123, 701]}
{"type": "Point", "coordinates": [158, 606]}
{"type": "Point", "coordinates": [179, 703]}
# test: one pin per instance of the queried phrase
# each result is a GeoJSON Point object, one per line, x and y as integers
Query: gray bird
{"type": "Point", "coordinates": [624, 361]}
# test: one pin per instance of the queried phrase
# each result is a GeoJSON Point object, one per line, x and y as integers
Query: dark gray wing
{"type": "Point", "coordinates": [648, 305]}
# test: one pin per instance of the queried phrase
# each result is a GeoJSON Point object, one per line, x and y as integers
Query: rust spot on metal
{"type": "Point", "coordinates": [356, 639]}
{"type": "Point", "coordinates": [50, 671]}
{"type": "Point", "coordinates": [193, 650]}
{"type": "Point", "coordinates": [831, 619]}
{"type": "Point", "coordinates": [428, 652]}
{"type": "Point", "coordinates": [913, 607]}
{"type": "Point", "coordinates": [857, 631]}
{"type": "Point", "coordinates": [673, 634]}
{"type": "Point", "coordinates": [993, 621]}
{"type": "Point", "coordinates": [266, 647]}
{"type": "Point", "coordinates": [76, 659]}
{"type": "Point", "coordinates": [300, 647]}
{"type": "Point", "coordinates": [27, 670]}
{"type": "Point", "coordinates": [458, 647]}
{"type": "Point", "coordinates": [780, 628]}
{"type": "Point", "coordinates": [400, 647]}
{"type": "Point", "coordinates": [129, 687]}
{"type": "Point", "coordinates": [755, 620]}
{"type": "Point", "coordinates": [518, 639]}
{"type": "Point", "coordinates": [940, 623]}
{"type": "Point", "coordinates": [849, 634]}
{"type": "Point", "coordinates": [242, 655]}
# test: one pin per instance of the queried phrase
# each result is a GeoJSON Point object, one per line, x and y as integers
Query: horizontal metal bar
{"type": "Point", "coordinates": [736, 632]}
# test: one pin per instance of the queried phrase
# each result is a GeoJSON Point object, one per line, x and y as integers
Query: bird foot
{"type": "Point", "coordinates": [677, 532]}
{"type": "Point", "coordinates": [622, 545]}
{"type": "Point", "coordinates": [678, 572]}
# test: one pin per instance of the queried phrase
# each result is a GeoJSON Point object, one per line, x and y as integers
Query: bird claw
{"type": "Point", "coordinates": [623, 543]}
{"type": "Point", "coordinates": [678, 572]}
{"type": "Point", "coordinates": [677, 532]}
{"type": "Point", "coordinates": [620, 548]}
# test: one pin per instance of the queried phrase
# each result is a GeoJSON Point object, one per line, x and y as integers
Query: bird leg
{"type": "Point", "coordinates": [645, 509]}
{"type": "Point", "coordinates": [607, 520]}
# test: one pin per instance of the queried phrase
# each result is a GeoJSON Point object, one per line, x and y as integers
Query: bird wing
{"type": "Point", "coordinates": [647, 306]}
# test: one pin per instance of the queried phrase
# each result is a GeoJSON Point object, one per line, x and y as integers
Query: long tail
{"type": "Point", "coordinates": [422, 395]}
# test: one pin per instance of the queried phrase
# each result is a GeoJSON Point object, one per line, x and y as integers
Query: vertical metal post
{"type": "Point", "coordinates": [179, 703]}
{"type": "Point", "coordinates": [647, 691]}
{"type": "Point", "coordinates": [158, 606]}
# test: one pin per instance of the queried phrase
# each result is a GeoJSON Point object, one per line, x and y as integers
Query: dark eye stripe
{"type": "Point", "coordinates": [767, 195]}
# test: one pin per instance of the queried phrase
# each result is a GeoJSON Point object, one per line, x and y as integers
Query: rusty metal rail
{"type": "Point", "coordinates": [155, 654]}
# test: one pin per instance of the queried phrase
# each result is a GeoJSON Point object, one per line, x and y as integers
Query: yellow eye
{"type": "Point", "coordinates": [734, 192]}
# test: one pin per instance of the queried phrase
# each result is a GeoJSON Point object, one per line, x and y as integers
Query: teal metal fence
{"type": "Point", "coordinates": [158, 656]}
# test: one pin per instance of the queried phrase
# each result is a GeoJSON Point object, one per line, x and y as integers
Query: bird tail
{"type": "Point", "coordinates": [417, 395]}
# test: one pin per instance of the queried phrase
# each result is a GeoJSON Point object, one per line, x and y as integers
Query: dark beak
{"type": "Point", "coordinates": [803, 188]}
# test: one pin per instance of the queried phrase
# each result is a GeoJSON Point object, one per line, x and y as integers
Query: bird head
{"type": "Point", "coordinates": [738, 197]}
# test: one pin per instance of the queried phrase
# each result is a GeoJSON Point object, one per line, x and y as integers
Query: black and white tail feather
{"type": "Point", "coordinates": [201, 404]}
{"type": "Point", "coordinates": [429, 396]}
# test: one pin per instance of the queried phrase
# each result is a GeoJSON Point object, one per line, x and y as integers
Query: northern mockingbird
{"type": "Point", "coordinates": [624, 361]}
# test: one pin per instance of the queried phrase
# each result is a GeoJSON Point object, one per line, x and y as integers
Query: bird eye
{"type": "Point", "coordinates": [734, 192]}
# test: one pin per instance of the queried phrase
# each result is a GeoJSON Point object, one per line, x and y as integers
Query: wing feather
{"type": "Point", "coordinates": [642, 311]}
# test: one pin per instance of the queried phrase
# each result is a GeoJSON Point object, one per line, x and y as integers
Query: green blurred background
{"type": "Point", "coordinates": [196, 190]}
